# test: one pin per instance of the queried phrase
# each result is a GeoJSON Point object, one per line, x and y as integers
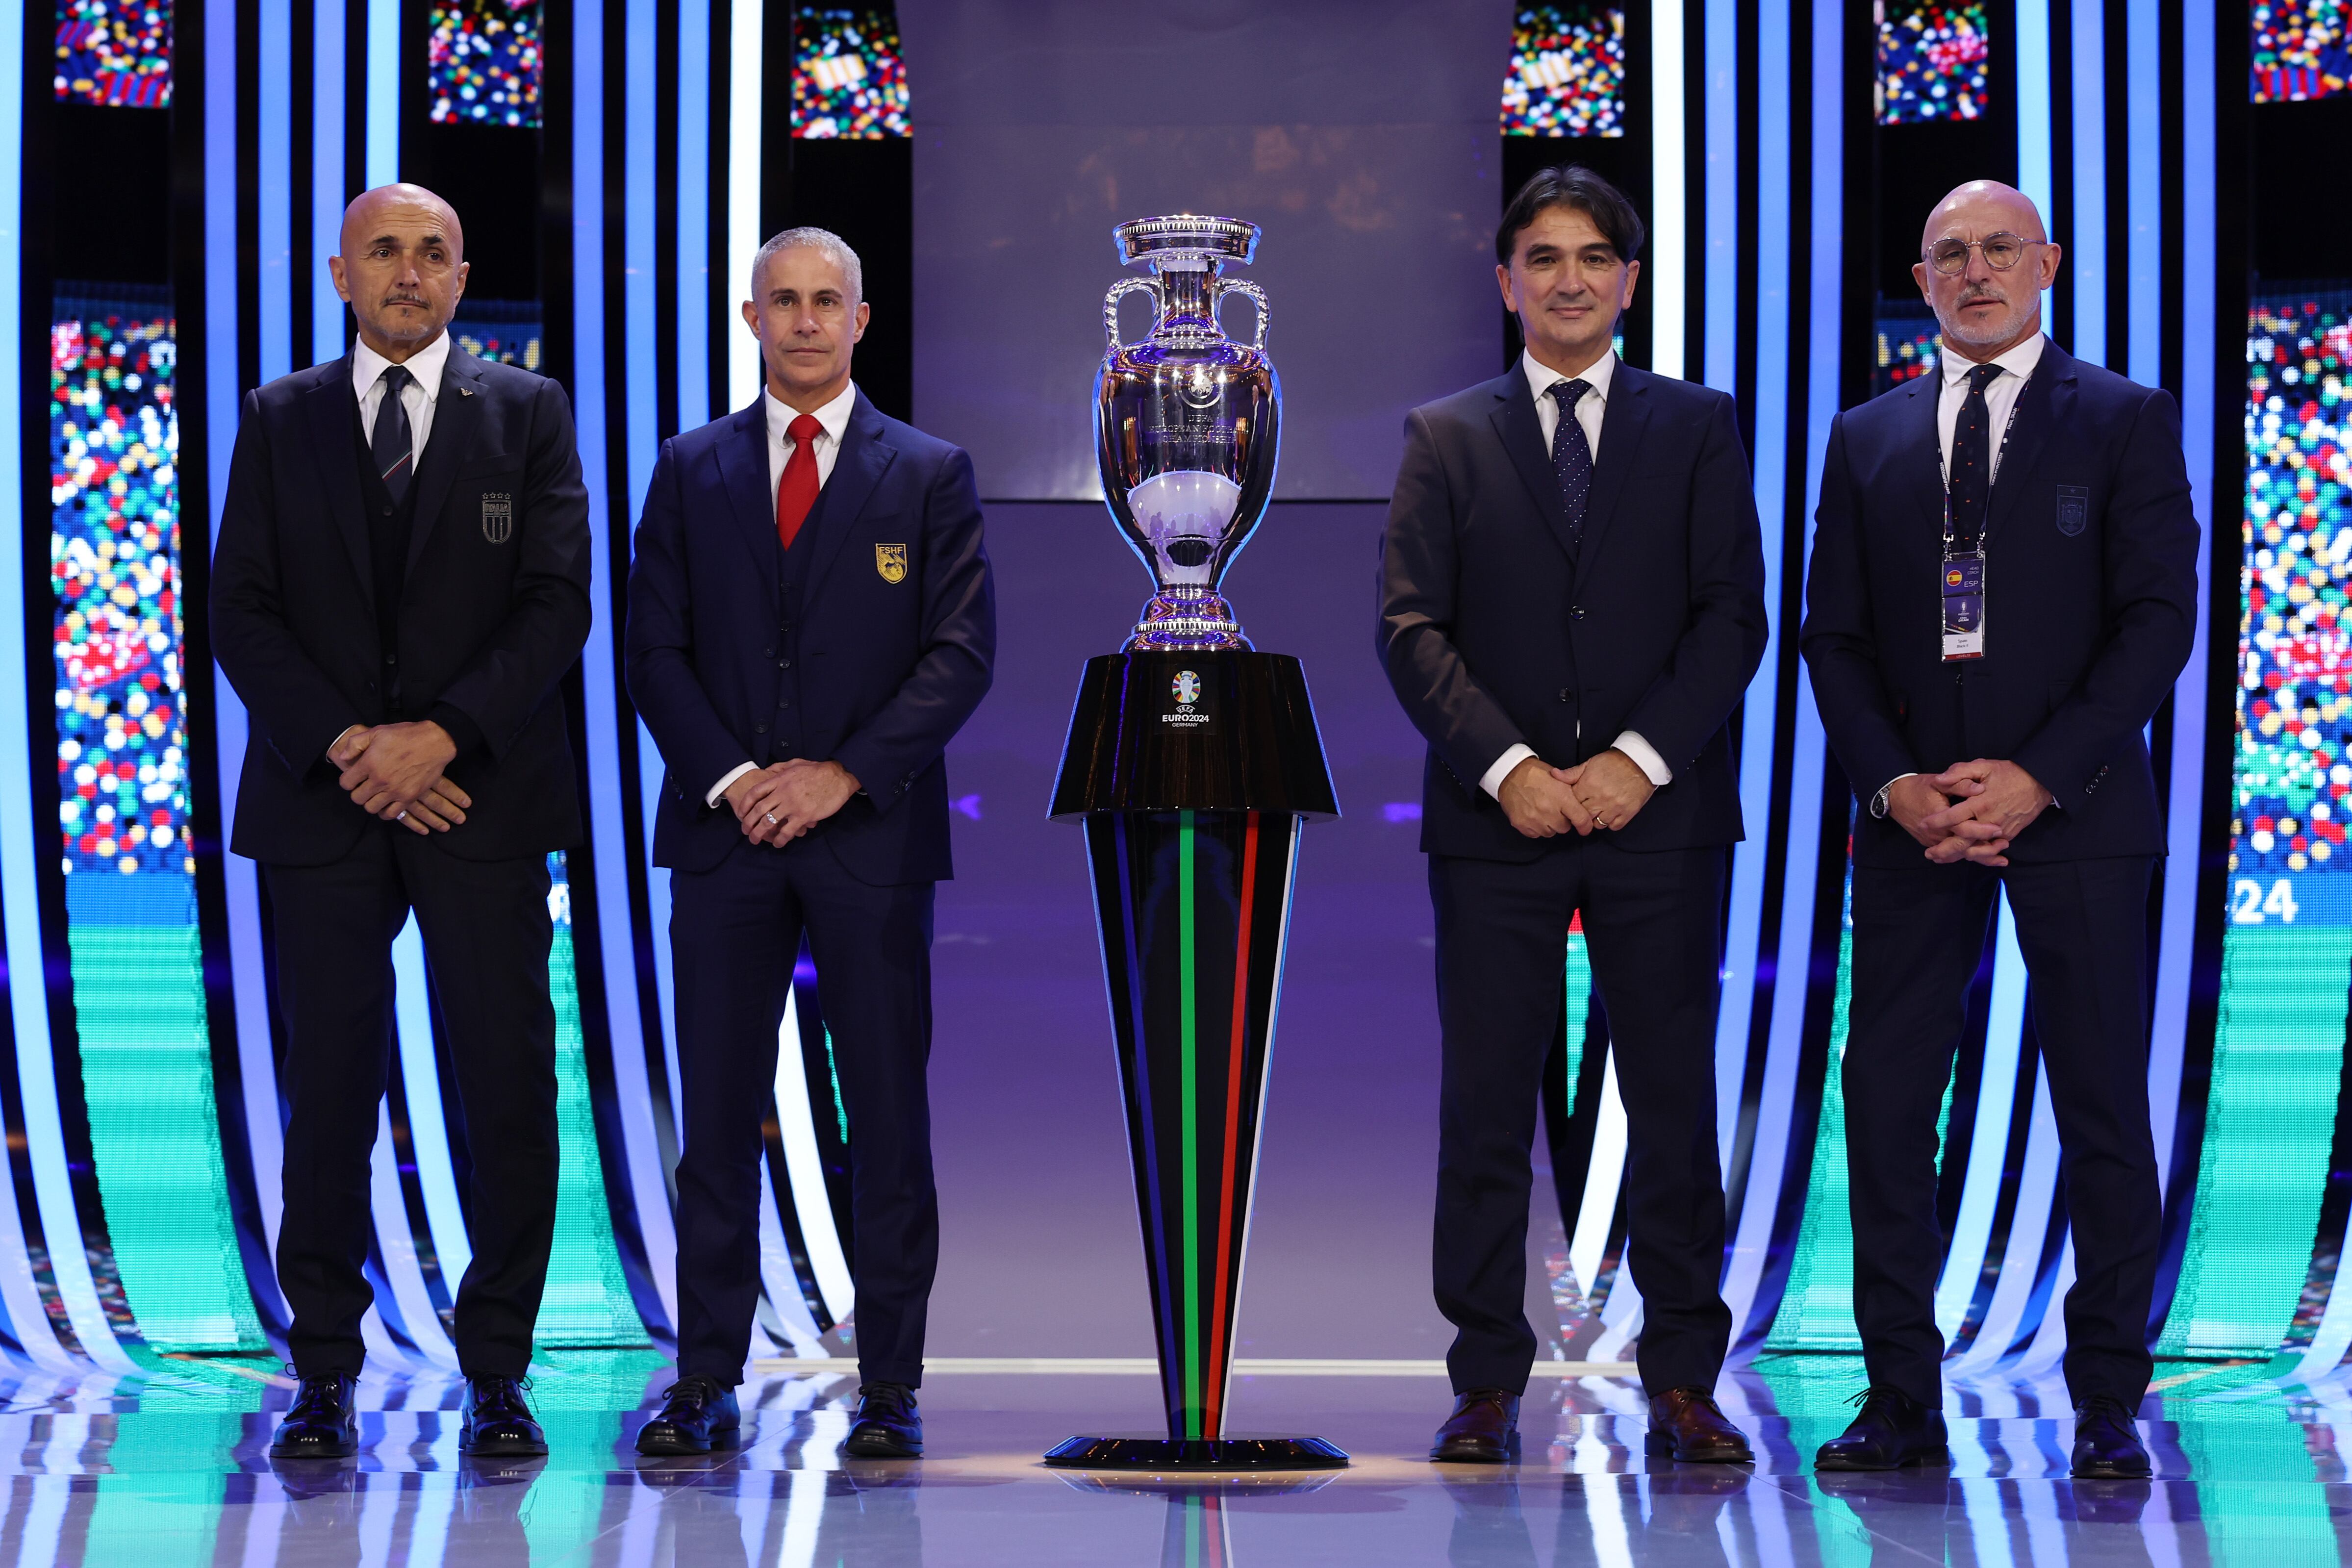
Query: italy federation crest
{"type": "Point", "coordinates": [890, 562]}
{"type": "Point", "coordinates": [1186, 686]}
{"type": "Point", "coordinates": [498, 516]}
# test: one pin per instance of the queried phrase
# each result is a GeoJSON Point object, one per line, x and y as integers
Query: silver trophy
{"type": "Point", "coordinates": [1187, 424]}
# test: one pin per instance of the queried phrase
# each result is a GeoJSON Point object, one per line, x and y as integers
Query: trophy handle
{"type": "Point", "coordinates": [1120, 290]}
{"type": "Point", "coordinates": [1256, 295]}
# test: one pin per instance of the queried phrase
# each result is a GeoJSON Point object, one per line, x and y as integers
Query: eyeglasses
{"type": "Point", "coordinates": [2000, 252]}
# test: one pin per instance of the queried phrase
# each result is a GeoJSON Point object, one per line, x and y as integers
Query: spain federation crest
{"type": "Point", "coordinates": [1186, 686]}
{"type": "Point", "coordinates": [890, 562]}
{"type": "Point", "coordinates": [498, 516]}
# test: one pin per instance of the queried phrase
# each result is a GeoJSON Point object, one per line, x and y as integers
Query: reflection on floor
{"type": "Point", "coordinates": [171, 1469]}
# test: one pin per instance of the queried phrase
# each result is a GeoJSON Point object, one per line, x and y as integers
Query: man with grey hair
{"type": "Point", "coordinates": [810, 621]}
{"type": "Point", "coordinates": [2001, 753]}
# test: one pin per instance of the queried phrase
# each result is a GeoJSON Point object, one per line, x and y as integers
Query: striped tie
{"type": "Point", "coordinates": [394, 452]}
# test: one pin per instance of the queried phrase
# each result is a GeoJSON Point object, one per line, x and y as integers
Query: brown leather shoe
{"type": "Point", "coordinates": [1483, 1430]}
{"type": "Point", "coordinates": [1685, 1423]}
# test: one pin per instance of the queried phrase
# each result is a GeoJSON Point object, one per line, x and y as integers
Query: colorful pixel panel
{"type": "Point", "coordinates": [515, 342]}
{"type": "Point", "coordinates": [1907, 347]}
{"type": "Point", "coordinates": [1567, 75]}
{"type": "Point", "coordinates": [114, 563]}
{"type": "Point", "coordinates": [849, 79]}
{"type": "Point", "coordinates": [115, 52]}
{"type": "Point", "coordinates": [2301, 49]}
{"type": "Point", "coordinates": [482, 62]}
{"type": "Point", "coordinates": [1934, 61]}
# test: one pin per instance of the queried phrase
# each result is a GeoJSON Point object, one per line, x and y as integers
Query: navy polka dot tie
{"type": "Point", "coordinates": [1571, 457]}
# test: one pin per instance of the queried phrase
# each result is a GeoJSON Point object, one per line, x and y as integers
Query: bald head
{"type": "Point", "coordinates": [402, 267]}
{"type": "Point", "coordinates": [1990, 235]}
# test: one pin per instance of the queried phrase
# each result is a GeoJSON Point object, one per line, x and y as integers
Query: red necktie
{"type": "Point", "coordinates": [796, 492]}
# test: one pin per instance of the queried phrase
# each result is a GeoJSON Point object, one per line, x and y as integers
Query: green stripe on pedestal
{"type": "Point", "coordinates": [1188, 1009]}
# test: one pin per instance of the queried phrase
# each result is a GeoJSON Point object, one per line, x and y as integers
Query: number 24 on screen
{"type": "Point", "coordinates": [2249, 905]}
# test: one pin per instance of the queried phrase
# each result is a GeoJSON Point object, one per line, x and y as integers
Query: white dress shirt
{"type": "Point", "coordinates": [835, 417]}
{"type": "Point", "coordinates": [2000, 401]}
{"type": "Point", "coordinates": [1589, 410]}
{"type": "Point", "coordinates": [419, 396]}
{"type": "Point", "coordinates": [2000, 396]}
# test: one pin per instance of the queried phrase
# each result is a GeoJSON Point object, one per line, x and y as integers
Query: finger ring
{"type": "Point", "coordinates": [401, 818]}
{"type": "Point", "coordinates": [771, 815]}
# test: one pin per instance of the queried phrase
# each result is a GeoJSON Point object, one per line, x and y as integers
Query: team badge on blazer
{"type": "Point", "coordinates": [498, 516]}
{"type": "Point", "coordinates": [2074, 509]}
{"type": "Point", "coordinates": [890, 562]}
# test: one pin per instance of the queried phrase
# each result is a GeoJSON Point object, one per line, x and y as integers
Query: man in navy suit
{"type": "Point", "coordinates": [400, 582]}
{"type": "Point", "coordinates": [1571, 604]}
{"type": "Point", "coordinates": [1998, 746]}
{"type": "Point", "coordinates": [810, 620]}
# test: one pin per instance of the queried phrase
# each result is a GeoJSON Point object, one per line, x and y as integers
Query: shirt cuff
{"type": "Point", "coordinates": [1492, 780]}
{"type": "Point", "coordinates": [1645, 757]}
{"type": "Point", "coordinates": [1879, 801]}
{"type": "Point", "coordinates": [327, 756]}
{"type": "Point", "coordinates": [721, 787]}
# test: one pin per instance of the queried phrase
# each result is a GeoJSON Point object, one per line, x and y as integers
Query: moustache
{"type": "Point", "coordinates": [405, 299]}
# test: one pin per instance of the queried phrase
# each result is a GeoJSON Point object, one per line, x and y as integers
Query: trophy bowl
{"type": "Point", "coordinates": [1187, 424]}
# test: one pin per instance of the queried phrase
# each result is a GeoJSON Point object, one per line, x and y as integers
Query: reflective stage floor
{"type": "Point", "coordinates": [173, 1470]}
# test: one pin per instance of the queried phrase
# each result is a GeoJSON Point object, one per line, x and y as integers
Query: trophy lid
{"type": "Point", "coordinates": [1186, 234]}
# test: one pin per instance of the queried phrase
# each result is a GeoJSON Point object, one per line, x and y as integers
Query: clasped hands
{"type": "Point", "coordinates": [782, 801]}
{"type": "Point", "coordinates": [1544, 802]}
{"type": "Point", "coordinates": [1971, 811]}
{"type": "Point", "coordinates": [394, 771]}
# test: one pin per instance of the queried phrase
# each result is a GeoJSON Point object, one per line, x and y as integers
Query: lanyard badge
{"type": "Point", "coordinates": [1960, 582]}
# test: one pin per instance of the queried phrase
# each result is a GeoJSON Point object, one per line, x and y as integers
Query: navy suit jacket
{"type": "Point", "coordinates": [888, 669]}
{"type": "Point", "coordinates": [1492, 636]}
{"type": "Point", "coordinates": [493, 610]}
{"type": "Point", "coordinates": [2090, 606]}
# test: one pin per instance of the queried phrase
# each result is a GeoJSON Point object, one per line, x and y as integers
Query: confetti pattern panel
{"type": "Point", "coordinates": [1907, 347]}
{"type": "Point", "coordinates": [1935, 61]}
{"type": "Point", "coordinates": [482, 62]}
{"type": "Point", "coordinates": [115, 52]}
{"type": "Point", "coordinates": [849, 79]}
{"type": "Point", "coordinates": [2300, 49]}
{"type": "Point", "coordinates": [1567, 75]}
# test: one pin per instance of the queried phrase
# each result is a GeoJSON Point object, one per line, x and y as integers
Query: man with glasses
{"type": "Point", "coordinates": [2000, 752]}
{"type": "Point", "coordinates": [1571, 604]}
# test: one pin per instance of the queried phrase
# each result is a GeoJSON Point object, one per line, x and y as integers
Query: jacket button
{"type": "Point", "coordinates": [1576, 612]}
{"type": "Point", "coordinates": [767, 653]}
{"type": "Point", "coordinates": [759, 728]}
{"type": "Point", "coordinates": [1566, 695]}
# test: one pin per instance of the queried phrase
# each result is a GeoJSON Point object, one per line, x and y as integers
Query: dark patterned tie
{"type": "Point", "coordinates": [1970, 480]}
{"type": "Point", "coordinates": [394, 452]}
{"type": "Point", "coordinates": [1571, 457]}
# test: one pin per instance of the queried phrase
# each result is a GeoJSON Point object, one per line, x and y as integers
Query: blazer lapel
{"type": "Point", "coordinates": [855, 473]}
{"type": "Point", "coordinates": [1521, 433]}
{"type": "Point", "coordinates": [2048, 398]}
{"type": "Point", "coordinates": [1923, 451]}
{"type": "Point", "coordinates": [743, 472]}
{"type": "Point", "coordinates": [456, 419]}
{"type": "Point", "coordinates": [1623, 419]}
{"type": "Point", "coordinates": [334, 415]}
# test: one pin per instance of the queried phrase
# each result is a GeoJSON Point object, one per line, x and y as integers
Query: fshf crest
{"type": "Point", "coordinates": [891, 560]}
{"type": "Point", "coordinates": [498, 516]}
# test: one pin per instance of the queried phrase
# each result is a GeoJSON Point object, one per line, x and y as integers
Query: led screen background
{"type": "Point", "coordinates": [2301, 49]}
{"type": "Point", "coordinates": [115, 52]}
{"type": "Point", "coordinates": [1934, 61]}
{"type": "Point", "coordinates": [483, 62]}
{"type": "Point", "coordinates": [1567, 75]}
{"type": "Point", "coordinates": [849, 79]}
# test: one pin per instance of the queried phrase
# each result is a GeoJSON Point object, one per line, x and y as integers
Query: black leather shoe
{"type": "Point", "coordinates": [2106, 1445]}
{"type": "Point", "coordinates": [1483, 1430]}
{"type": "Point", "coordinates": [1892, 1430]}
{"type": "Point", "coordinates": [696, 1415]}
{"type": "Point", "coordinates": [1686, 1424]}
{"type": "Point", "coordinates": [498, 1422]}
{"type": "Point", "coordinates": [888, 1426]}
{"type": "Point", "coordinates": [323, 1421]}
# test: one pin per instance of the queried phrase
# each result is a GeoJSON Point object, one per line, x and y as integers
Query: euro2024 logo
{"type": "Point", "coordinates": [1187, 687]}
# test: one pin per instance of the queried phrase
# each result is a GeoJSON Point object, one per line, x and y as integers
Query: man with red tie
{"type": "Point", "coordinates": [810, 620]}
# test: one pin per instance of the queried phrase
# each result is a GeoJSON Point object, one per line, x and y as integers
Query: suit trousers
{"type": "Point", "coordinates": [1651, 927]}
{"type": "Point", "coordinates": [1918, 936]}
{"type": "Point", "coordinates": [735, 934]}
{"type": "Point", "coordinates": [487, 930]}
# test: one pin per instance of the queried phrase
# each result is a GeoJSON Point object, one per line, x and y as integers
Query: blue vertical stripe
{"type": "Point", "coordinates": [274, 186]}
{"type": "Point", "coordinates": [2033, 165]}
{"type": "Point", "coordinates": [599, 678]}
{"type": "Point", "coordinates": [694, 291]}
{"type": "Point", "coordinates": [330, 49]}
{"type": "Point", "coordinates": [382, 165]}
{"type": "Point", "coordinates": [2144, 174]}
{"type": "Point", "coordinates": [2087, 253]}
{"type": "Point", "coordinates": [1721, 44]}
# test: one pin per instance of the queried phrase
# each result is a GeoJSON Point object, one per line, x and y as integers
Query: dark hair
{"type": "Point", "coordinates": [1576, 186]}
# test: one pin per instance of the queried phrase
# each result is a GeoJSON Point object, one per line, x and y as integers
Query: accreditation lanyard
{"type": "Point", "coordinates": [1960, 577]}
